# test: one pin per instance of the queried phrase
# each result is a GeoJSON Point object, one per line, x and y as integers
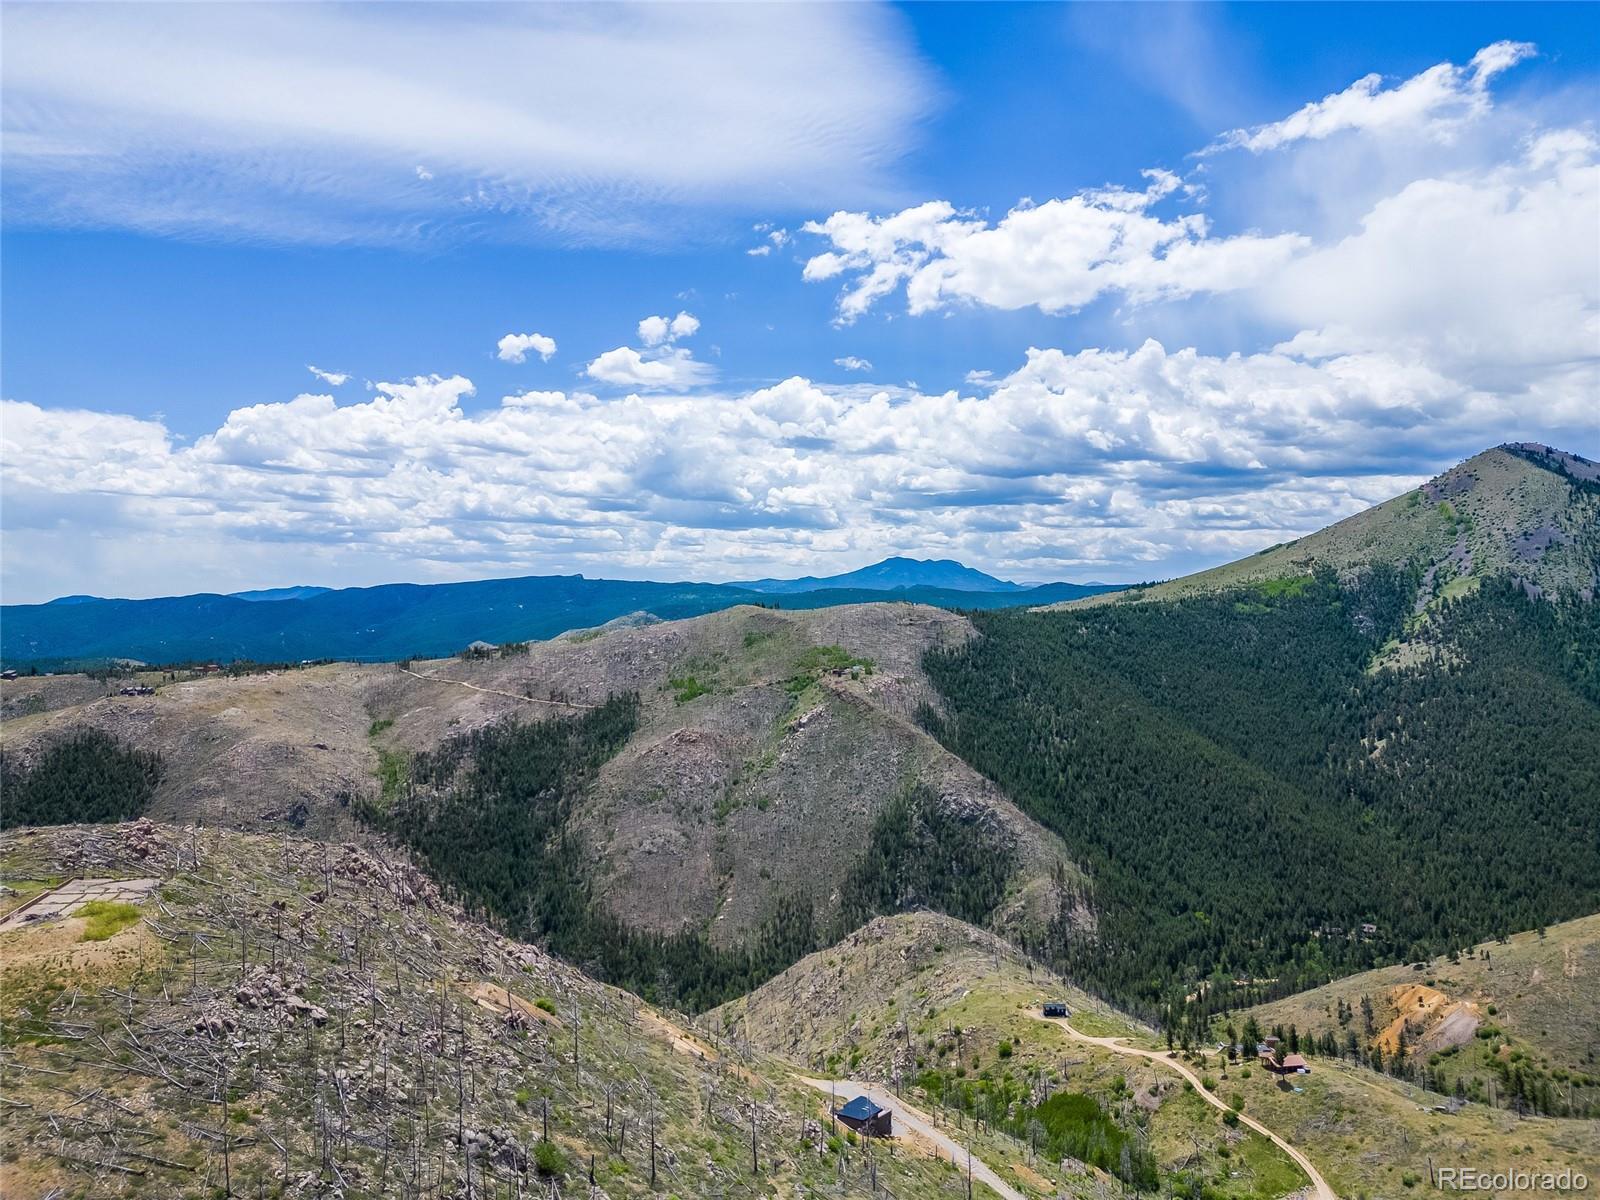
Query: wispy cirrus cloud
{"type": "Point", "coordinates": [1439, 100]}
{"type": "Point", "coordinates": [398, 123]}
{"type": "Point", "coordinates": [331, 378]}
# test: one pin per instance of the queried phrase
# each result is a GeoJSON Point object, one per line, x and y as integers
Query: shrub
{"type": "Point", "coordinates": [549, 1159]}
{"type": "Point", "coordinates": [687, 688]}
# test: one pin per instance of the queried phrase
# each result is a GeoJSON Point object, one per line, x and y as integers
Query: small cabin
{"type": "Point", "coordinates": [865, 1117]}
{"type": "Point", "coordinates": [1055, 1008]}
{"type": "Point", "coordinates": [1292, 1064]}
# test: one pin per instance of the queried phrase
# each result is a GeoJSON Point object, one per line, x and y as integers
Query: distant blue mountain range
{"type": "Point", "coordinates": [427, 620]}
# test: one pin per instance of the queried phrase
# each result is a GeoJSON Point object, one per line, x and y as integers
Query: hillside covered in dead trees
{"type": "Point", "coordinates": [287, 1018]}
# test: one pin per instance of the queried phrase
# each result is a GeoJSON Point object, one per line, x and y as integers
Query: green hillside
{"type": "Point", "coordinates": [1246, 793]}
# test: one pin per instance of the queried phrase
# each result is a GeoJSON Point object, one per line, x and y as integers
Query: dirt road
{"type": "Point", "coordinates": [496, 691]}
{"type": "Point", "coordinates": [1319, 1185]}
{"type": "Point", "coordinates": [918, 1123]}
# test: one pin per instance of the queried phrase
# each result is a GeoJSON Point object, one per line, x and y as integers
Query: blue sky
{"type": "Point", "coordinates": [1166, 315]}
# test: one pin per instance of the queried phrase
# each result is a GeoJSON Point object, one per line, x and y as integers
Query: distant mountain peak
{"type": "Point", "coordinates": [890, 574]}
{"type": "Point", "coordinates": [301, 592]}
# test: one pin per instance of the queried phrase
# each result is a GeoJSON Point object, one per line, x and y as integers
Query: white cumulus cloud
{"type": "Point", "coordinates": [1473, 257]}
{"type": "Point", "coordinates": [1088, 464]}
{"type": "Point", "coordinates": [1492, 275]}
{"type": "Point", "coordinates": [331, 378]}
{"type": "Point", "coordinates": [655, 331]}
{"type": "Point", "coordinates": [1057, 256]}
{"type": "Point", "coordinates": [514, 347]}
{"type": "Point", "coordinates": [627, 367]}
{"type": "Point", "coordinates": [852, 363]}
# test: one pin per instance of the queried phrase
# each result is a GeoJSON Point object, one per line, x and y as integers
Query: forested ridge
{"type": "Point", "coordinates": [490, 812]}
{"type": "Point", "coordinates": [88, 776]}
{"type": "Point", "coordinates": [1247, 794]}
{"type": "Point", "coordinates": [922, 856]}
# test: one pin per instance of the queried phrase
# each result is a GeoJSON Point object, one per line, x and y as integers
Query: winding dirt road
{"type": "Point", "coordinates": [1319, 1185]}
{"type": "Point", "coordinates": [917, 1123]}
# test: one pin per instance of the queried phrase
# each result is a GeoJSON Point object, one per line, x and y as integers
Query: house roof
{"type": "Point", "coordinates": [860, 1109]}
{"type": "Point", "coordinates": [1293, 1061]}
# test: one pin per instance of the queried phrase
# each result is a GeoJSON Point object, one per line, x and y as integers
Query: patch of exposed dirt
{"type": "Point", "coordinates": [494, 998]}
{"type": "Point", "coordinates": [60, 947]}
{"type": "Point", "coordinates": [1033, 1179]}
{"type": "Point", "coordinates": [679, 1038]}
{"type": "Point", "coordinates": [1428, 1018]}
{"type": "Point", "coordinates": [1456, 1027]}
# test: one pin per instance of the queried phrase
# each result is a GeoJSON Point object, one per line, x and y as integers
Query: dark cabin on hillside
{"type": "Point", "coordinates": [1292, 1064]}
{"type": "Point", "coordinates": [865, 1117]}
{"type": "Point", "coordinates": [1055, 1008]}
